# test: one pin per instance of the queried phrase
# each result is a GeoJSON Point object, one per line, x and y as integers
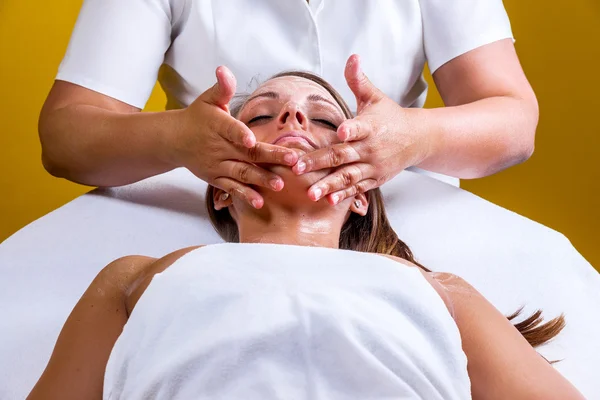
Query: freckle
{"type": "Point", "coordinates": [91, 305]}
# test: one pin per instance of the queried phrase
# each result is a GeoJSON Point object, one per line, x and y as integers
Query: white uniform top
{"type": "Point", "coordinates": [118, 46]}
{"type": "Point", "coordinates": [263, 321]}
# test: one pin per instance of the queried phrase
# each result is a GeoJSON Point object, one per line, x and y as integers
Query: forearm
{"type": "Point", "coordinates": [98, 147]}
{"type": "Point", "coordinates": [78, 362]}
{"type": "Point", "coordinates": [477, 139]}
{"type": "Point", "coordinates": [502, 364]}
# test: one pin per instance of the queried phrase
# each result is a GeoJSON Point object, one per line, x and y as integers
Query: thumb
{"type": "Point", "coordinates": [222, 92]}
{"type": "Point", "coordinates": [364, 91]}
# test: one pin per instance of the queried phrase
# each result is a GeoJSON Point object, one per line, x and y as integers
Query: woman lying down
{"type": "Point", "coordinates": [305, 301]}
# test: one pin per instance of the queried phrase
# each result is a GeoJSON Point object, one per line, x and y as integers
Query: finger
{"type": "Point", "coordinates": [361, 187]}
{"type": "Point", "coordinates": [235, 131]}
{"type": "Point", "coordinates": [342, 178]}
{"type": "Point", "coordinates": [222, 92]}
{"type": "Point", "coordinates": [353, 129]}
{"type": "Point", "coordinates": [239, 190]}
{"type": "Point", "coordinates": [266, 153]}
{"type": "Point", "coordinates": [328, 157]}
{"type": "Point", "coordinates": [364, 91]}
{"type": "Point", "coordinates": [251, 174]}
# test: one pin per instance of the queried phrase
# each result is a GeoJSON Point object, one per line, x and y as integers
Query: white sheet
{"type": "Point", "coordinates": [46, 266]}
{"type": "Point", "coordinates": [318, 323]}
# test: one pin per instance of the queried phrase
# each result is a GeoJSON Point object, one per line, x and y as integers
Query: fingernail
{"type": "Point", "coordinates": [317, 193]}
{"type": "Point", "coordinates": [345, 132]}
{"type": "Point", "coordinates": [301, 166]}
{"type": "Point", "coordinates": [289, 158]}
{"type": "Point", "coordinates": [335, 198]}
{"type": "Point", "coordinates": [255, 203]}
{"type": "Point", "coordinates": [274, 183]}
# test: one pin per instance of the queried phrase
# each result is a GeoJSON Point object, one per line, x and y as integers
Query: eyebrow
{"type": "Point", "coordinates": [270, 95]}
{"type": "Point", "coordinates": [275, 95]}
{"type": "Point", "coordinates": [316, 97]}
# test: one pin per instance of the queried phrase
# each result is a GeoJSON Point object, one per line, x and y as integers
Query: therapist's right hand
{"type": "Point", "coordinates": [223, 151]}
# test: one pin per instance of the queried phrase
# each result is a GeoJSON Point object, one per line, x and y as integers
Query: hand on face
{"type": "Point", "coordinates": [222, 150]}
{"type": "Point", "coordinates": [299, 114]}
{"type": "Point", "coordinates": [296, 113]}
{"type": "Point", "coordinates": [378, 143]}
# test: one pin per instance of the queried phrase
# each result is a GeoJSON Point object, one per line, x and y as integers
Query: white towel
{"type": "Point", "coordinates": [266, 321]}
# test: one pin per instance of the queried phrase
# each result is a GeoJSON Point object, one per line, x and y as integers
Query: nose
{"type": "Point", "coordinates": [291, 114]}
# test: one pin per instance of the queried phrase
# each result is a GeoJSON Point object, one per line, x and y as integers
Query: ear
{"type": "Point", "coordinates": [219, 200]}
{"type": "Point", "coordinates": [364, 204]}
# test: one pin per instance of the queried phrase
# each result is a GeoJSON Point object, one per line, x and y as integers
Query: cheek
{"type": "Point", "coordinates": [325, 136]}
{"type": "Point", "coordinates": [265, 131]}
{"type": "Point", "coordinates": [261, 132]}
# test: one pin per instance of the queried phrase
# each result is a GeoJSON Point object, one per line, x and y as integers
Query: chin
{"type": "Point", "coordinates": [295, 189]}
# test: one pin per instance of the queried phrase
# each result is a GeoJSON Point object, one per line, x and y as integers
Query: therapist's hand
{"type": "Point", "coordinates": [223, 151]}
{"type": "Point", "coordinates": [378, 143]}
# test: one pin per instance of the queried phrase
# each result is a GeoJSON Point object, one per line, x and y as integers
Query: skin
{"type": "Point", "coordinates": [501, 364]}
{"type": "Point", "coordinates": [203, 137]}
{"type": "Point", "coordinates": [488, 124]}
{"type": "Point", "coordinates": [288, 215]}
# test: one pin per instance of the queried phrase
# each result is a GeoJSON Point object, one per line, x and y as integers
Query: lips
{"type": "Point", "coordinates": [295, 137]}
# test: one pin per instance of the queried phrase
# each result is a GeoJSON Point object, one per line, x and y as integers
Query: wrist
{"type": "Point", "coordinates": [168, 142]}
{"type": "Point", "coordinates": [427, 133]}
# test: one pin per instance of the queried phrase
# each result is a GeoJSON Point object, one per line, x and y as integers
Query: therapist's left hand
{"type": "Point", "coordinates": [380, 142]}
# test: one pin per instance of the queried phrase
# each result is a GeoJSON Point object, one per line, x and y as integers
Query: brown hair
{"type": "Point", "coordinates": [373, 232]}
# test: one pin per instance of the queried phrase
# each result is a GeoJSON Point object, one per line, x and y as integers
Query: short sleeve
{"type": "Point", "coordinates": [117, 48]}
{"type": "Point", "coordinates": [454, 27]}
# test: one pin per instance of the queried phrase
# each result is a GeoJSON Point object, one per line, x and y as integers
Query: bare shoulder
{"type": "Point", "coordinates": [138, 285]}
{"type": "Point", "coordinates": [127, 268]}
{"type": "Point", "coordinates": [126, 274]}
{"type": "Point", "coordinates": [121, 273]}
{"type": "Point", "coordinates": [398, 259]}
{"type": "Point", "coordinates": [450, 287]}
{"type": "Point", "coordinates": [443, 278]}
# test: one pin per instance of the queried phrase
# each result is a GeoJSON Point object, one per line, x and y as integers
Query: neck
{"type": "Point", "coordinates": [310, 226]}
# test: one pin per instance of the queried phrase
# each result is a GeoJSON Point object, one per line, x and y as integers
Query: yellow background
{"type": "Point", "coordinates": [558, 44]}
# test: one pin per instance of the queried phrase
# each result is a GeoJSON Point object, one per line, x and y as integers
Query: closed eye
{"type": "Point", "coordinates": [258, 118]}
{"type": "Point", "coordinates": [326, 123]}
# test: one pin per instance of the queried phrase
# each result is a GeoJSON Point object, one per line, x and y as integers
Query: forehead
{"type": "Point", "coordinates": [293, 86]}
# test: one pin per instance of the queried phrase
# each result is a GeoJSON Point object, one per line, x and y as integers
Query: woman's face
{"type": "Point", "coordinates": [297, 113]}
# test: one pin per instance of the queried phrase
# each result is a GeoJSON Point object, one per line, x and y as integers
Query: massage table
{"type": "Point", "coordinates": [513, 261]}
